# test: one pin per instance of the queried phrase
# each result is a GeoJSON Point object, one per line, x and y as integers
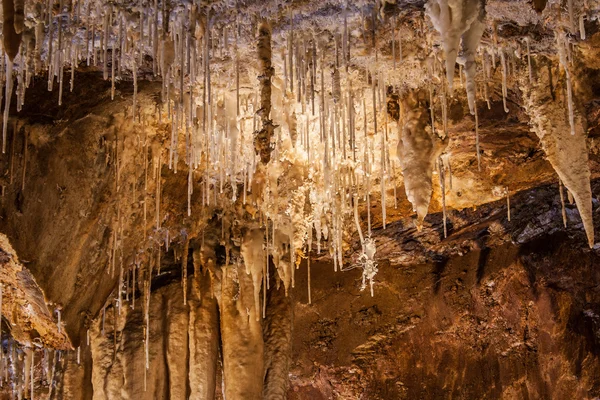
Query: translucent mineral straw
{"type": "Point", "coordinates": [7, 97]}
{"type": "Point", "coordinates": [529, 62]}
{"type": "Point", "coordinates": [504, 89]}
{"type": "Point", "coordinates": [562, 202]}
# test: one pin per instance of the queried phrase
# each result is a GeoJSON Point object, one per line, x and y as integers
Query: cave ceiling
{"type": "Point", "coordinates": [283, 191]}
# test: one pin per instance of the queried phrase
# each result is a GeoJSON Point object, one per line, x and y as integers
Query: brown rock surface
{"type": "Point", "coordinates": [147, 223]}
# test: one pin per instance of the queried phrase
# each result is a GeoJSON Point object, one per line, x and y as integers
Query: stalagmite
{"type": "Point", "coordinates": [176, 337]}
{"type": "Point", "coordinates": [277, 333]}
{"type": "Point", "coordinates": [203, 332]}
{"type": "Point", "coordinates": [418, 151]}
{"type": "Point", "coordinates": [27, 362]}
{"type": "Point", "coordinates": [31, 375]}
{"type": "Point", "coordinates": [242, 336]}
{"type": "Point", "coordinates": [253, 253]}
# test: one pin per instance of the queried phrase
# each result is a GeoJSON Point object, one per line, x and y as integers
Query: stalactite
{"type": "Point", "coordinates": [158, 190]}
{"type": "Point", "coordinates": [184, 268]}
{"type": "Point", "coordinates": [507, 193]}
{"type": "Point", "coordinates": [183, 43]}
{"type": "Point", "coordinates": [120, 287]}
{"type": "Point", "coordinates": [383, 168]}
{"type": "Point", "coordinates": [566, 152]}
{"type": "Point", "coordinates": [477, 138]}
{"type": "Point", "coordinates": [470, 44]}
{"type": "Point", "coordinates": [31, 375]}
{"type": "Point", "coordinates": [263, 137]}
{"type": "Point", "coordinates": [529, 70]}
{"type": "Point", "coordinates": [394, 24]}
{"type": "Point", "coordinates": [504, 74]}
{"type": "Point", "coordinates": [135, 90]}
{"type": "Point", "coordinates": [12, 27]}
{"type": "Point", "coordinates": [442, 178]}
{"type": "Point", "coordinates": [7, 97]}
{"type": "Point", "coordinates": [562, 45]}
{"type": "Point", "coordinates": [571, 16]}
{"type": "Point", "coordinates": [418, 151]}
{"type": "Point", "coordinates": [59, 323]}
{"type": "Point", "coordinates": [453, 19]}
{"type": "Point", "coordinates": [309, 249]}
{"type": "Point", "coordinates": [265, 270]}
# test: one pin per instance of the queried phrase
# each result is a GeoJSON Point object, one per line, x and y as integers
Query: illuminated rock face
{"type": "Point", "coordinates": [197, 197]}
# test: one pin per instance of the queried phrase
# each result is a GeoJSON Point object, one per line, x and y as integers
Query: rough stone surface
{"type": "Point", "coordinates": [101, 216]}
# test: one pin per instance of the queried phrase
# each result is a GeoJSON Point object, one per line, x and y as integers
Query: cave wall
{"type": "Point", "coordinates": [508, 323]}
{"type": "Point", "coordinates": [97, 193]}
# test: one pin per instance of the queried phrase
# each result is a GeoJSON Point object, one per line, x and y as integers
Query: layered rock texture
{"type": "Point", "coordinates": [302, 200]}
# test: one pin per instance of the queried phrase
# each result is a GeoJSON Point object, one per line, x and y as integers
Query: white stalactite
{"type": "Point", "coordinates": [454, 19]}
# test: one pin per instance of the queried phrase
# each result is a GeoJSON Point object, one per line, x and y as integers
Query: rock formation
{"type": "Point", "coordinates": [196, 196]}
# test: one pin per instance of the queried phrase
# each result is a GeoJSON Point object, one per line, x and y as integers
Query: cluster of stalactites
{"type": "Point", "coordinates": [22, 369]}
{"type": "Point", "coordinates": [459, 21]}
{"type": "Point", "coordinates": [338, 134]}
